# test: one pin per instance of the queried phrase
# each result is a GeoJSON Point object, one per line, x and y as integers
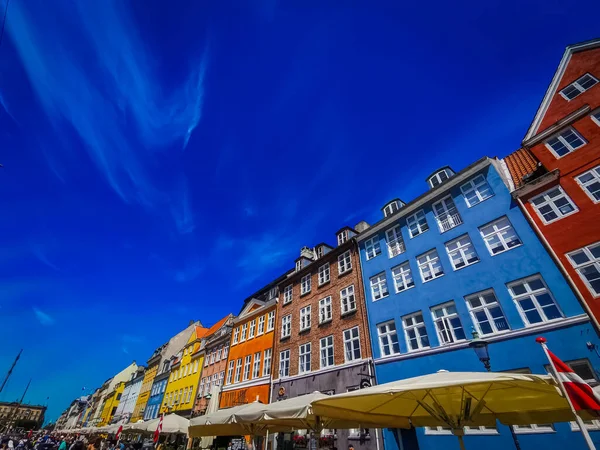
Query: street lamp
{"type": "Point", "coordinates": [481, 350]}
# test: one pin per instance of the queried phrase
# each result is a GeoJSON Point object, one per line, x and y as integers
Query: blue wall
{"type": "Point", "coordinates": [156, 397]}
{"type": "Point", "coordinates": [513, 350]}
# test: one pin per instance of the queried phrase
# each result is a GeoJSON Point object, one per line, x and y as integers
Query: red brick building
{"type": "Point", "coordinates": [556, 173]}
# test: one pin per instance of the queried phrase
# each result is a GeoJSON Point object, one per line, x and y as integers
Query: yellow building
{"type": "Point", "coordinates": [186, 369]}
{"type": "Point", "coordinates": [151, 371]}
{"type": "Point", "coordinates": [111, 403]}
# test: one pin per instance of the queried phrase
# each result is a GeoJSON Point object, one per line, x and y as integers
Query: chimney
{"type": "Point", "coordinates": [306, 252]}
{"type": "Point", "coordinates": [192, 322]}
{"type": "Point", "coordinates": [361, 226]}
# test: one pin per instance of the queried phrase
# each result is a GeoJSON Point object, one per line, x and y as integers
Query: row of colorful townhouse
{"type": "Point", "coordinates": [503, 251]}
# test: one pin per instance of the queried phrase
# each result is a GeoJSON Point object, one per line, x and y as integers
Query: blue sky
{"type": "Point", "coordinates": [162, 162]}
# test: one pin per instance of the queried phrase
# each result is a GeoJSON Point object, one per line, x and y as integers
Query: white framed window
{"type": "Point", "coordinates": [347, 299]}
{"type": "Point", "coordinates": [415, 332]}
{"type": "Point", "coordinates": [417, 223]}
{"type": "Point", "coordinates": [251, 329]}
{"type": "Point", "coordinates": [487, 313]}
{"type": "Point", "coordinates": [304, 358]}
{"type": "Point", "coordinates": [590, 183]}
{"type": "Point", "coordinates": [352, 344]}
{"type": "Point", "coordinates": [238, 370]}
{"type": "Point", "coordinates": [379, 287]}
{"type": "Point", "coordinates": [305, 284]}
{"type": "Point", "coordinates": [402, 277]}
{"type": "Point", "coordinates": [476, 190]}
{"type": "Point", "coordinates": [286, 326]}
{"type": "Point", "coordinates": [305, 315]}
{"type": "Point", "coordinates": [586, 261]}
{"type": "Point", "coordinates": [287, 293]}
{"type": "Point", "coordinates": [247, 363]}
{"type": "Point", "coordinates": [261, 326]}
{"type": "Point", "coordinates": [446, 214]}
{"type": "Point", "coordinates": [256, 365]}
{"type": "Point", "coordinates": [395, 243]}
{"type": "Point", "coordinates": [218, 355]}
{"type": "Point", "coordinates": [344, 262]}
{"type": "Point", "coordinates": [324, 274]}
{"type": "Point", "coordinates": [553, 205]}
{"type": "Point", "coordinates": [565, 142]}
{"type": "Point", "coordinates": [447, 323]}
{"type": "Point", "coordinates": [372, 247]}
{"type": "Point", "coordinates": [267, 362]}
{"type": "Point", "coordinates": [579, 86]}
{"type": "Point", "coordinates": [229, 374]}
{"type": "Point", "coordinates": [298, 265]}
{"type": "Point", "coordinates": [596, 117]}
{"type": "Point", "coordinates": [195, 366]}
{"type": "Point", "coordinates": [284, 363]}
{"type": "Point", "coordinates": [325, 312]}
{"type": "Point", "coordinates": [499, 236]}
{"type": "Point", "coordinates": [388, 338]}
{"type": "Point", "coordinates": [236, 335]}
{"type": "Point", "coordinates": [438, 178]}
{"type": "Point", "coordinates": [461, 252]}
{"type": "Point", "coordinates": [243, 333]}
{"type": "Point", "coordinates": [342, 237]}
{"type": "Point", "coordinates": [430, 266]}
{"type": "Point", "coordinates": [534, 301]}
{"type": "Point", "coordinates": [271, 321]}
{"type": "Point", "coordinates": [225, 351]}
{"type": "Point", "coordinates": [534, 428]}
{"type": "Point", "coordinates": [327, 352]}
{"type": "Point", "coordinates": [391, 208]}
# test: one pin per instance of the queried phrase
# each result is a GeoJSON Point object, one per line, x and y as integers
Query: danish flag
{"type": "Point", "coordinates": [119, 431]}
{"type": "Point", "coordinates": [158, 429]}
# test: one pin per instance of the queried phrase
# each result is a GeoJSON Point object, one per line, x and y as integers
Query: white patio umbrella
{"type": "Point", "coordinates": [172, 423]}
{"type": "Point", "coordinates": [223, 422]}
{"type": "Point", "coordinates": [213, 406]}
{"type": "Point", "coordinates": [453, 400]}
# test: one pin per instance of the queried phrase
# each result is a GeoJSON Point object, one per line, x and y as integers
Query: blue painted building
{"type": "Point", "coordinates": [159, 385]}
{"type": "Point", "coordinates": [462, 258]}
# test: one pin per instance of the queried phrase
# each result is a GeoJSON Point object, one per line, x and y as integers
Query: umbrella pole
{"type": "Point", "coordinates": [461, 442]}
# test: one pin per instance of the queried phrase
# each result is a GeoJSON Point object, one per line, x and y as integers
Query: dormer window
{"type": "Point", "coordinates": [392, 207]}
{"type": "Point", "coordinates": [578, 86]}
{"type": "Point", "coordinates": [342, 237]}
{"type": "Point", "coordinates": [319, 251]}
{"type": "Point", "coordinates": [298, 265]}
{"type": "Point", "coordinates": [440, 176]}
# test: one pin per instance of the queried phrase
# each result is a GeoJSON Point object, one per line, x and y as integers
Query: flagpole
{"type": "Point", "coordinates": [584, 431]}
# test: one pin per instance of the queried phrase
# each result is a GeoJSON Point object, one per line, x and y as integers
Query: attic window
{"type": "Point", "coordinates": [439, 177]}
{"type": "Point", "coordinates": [342, 237]}
{"type": "Point", "coordinates": [391, 208]}
{"type": "Point", "coordinates": [578, 86]}
{"type": "Point", "coordinates": [319, 251]}
{"type": "Point", "coordinates": [299, 264]}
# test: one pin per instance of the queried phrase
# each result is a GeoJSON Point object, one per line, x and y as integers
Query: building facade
{"type": "Point", "coordinates": [556, 174]}
{"type": "Point", "coordinates": [154, 406]}
{"type": "Point", "coordinates": [184, 375]}
{"type": "Point", "coordinates": [130, 395]}
{"type": "Point", "coordinates": [14, 415]}
{"type": "Point", "coordinates": [321, 337]}
{"type": "Point", "coordinates": [459, 261]}
{"type": "Point", "coordinates": [214, 348]}
{"type": "Point", "coordinates": [248, 375]}
{"type": "Point", "coordinates": [99, 397]}
{"type": "Point", "coordinates": [111, 403]}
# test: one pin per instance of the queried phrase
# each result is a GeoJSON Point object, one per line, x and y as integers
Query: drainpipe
{"type": "Point", "coordinates": [560, 265]}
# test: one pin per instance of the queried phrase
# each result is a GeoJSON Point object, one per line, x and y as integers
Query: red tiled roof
{"type": "Point", "coordinates": [520, 163]}
{"type": "Point", "coordinates": [217, 325]}
{"type": "Point", "coordinates": [201, 332]}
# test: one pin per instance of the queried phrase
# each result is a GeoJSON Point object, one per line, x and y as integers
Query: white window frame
{"type": "Point", "coordinates": [595, 173]}
{"type": "Point", "coordinates": [225, 351]}
{"type": "Point", "coordinates": [342, 237]}
{"type": "Point", "coordinates": [595, 115]}
{"type": "Point", "coordinates": [229, 373]}
{"type": "Point", "coordinates": [429, 264]}
{"type": "Point", "coordinates": [403, 278]}
{"type": "Point", "coordinates": [251, 329]}
{"type": "Point", "coordinates": [485, 308]}
{"type": "Point", "coordinates": [256, 365]}
{"type": "Point", "coordinates": [305, 284]}
{"type": "Point", "coordinates": [326, 351]}
{"type": "Point", "coordinates": [560, 136]}
{"type": "Point", "coordinates": [236, 335]}
{"type": "Point", "coordinates": [438, 177]}
{"type": "Point", "coordinates": [395, 243]}
{"type": "Point", "coordinates": [238, 370]}
{"type": "Point", "coordinates": [284, 363]}
{"type": "Point", "coordinates": [445, 320]}
{"type": "Point", "coordinates": [578, 87]}
{"type": "Point", "coordinates": [378, 286]}
{"type": "Point", "coordinates": [353, 342]}
{"type": "Point", "coordinates": [499, 232]}
{"type": "Point", "coordinates": [463, 243]}
{"type": "Point", "coordinates": [474, 185]}
{"type": "Point", "coordinates": [267, 355]}
{"type": "Point", "coordinates": [243, 333]}
{"type": "Point", "coordinates": [324, 274]}
{"type": "Point", "coordinates": [271, 321]}
{"type": "Point", "coordinates": [261, 325]}
{"type": "Point", "coordinates": [550, 202]}
{"type": "Point", "coordinates": [288, 294]}
{"type": "Point", "coordinates": [325, 310]}
{"type": "Point", "coordinates": [305, 318]}
{"type": "Point", "coordinates": [304, 355]}
{"type": "Point", "coordinates": [414, 325]}
{"type": "Point", "coordinates": [347, 299]}
{"type": "Point", "coordinates": [531, 294]}
{"type": "Point", "coordinates": [593, 261]}
{"type": "Point", "coordinates": [286, 326]}
{"type": "Point", "coordinates": [415, 219]}
{"type": "Point", "coordinates": [344, 262]}
{"type": "Point", "coordinates": [247, 365]}
{"type": "Point", "coordinates": [372, 247]}
{"type": "Point", "coordinates": [448, 217]}
{"type": "Point", "coordinates": [388, 335]}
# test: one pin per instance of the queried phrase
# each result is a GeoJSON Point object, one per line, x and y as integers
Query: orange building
{"type": "Point", "coordinates": [248, 375]}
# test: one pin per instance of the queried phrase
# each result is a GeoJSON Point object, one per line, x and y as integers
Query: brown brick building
{"type": "Point", "coordinates": [321, 335]}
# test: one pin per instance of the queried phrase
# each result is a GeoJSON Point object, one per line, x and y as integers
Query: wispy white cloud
{"type": "Point", "coordinates": [42, 317]}
{"type": "Point", "coordinates": [181, 210]}
{"type": "Point", "coordinates": [40, 254]}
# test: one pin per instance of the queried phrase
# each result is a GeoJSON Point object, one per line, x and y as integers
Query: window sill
{"type": "Point", "coordinates": [544, 431]}
{"type": "Point", "coordinates": [304, 330]}
{"type": "Point", "coordinates": [346, 272]}
{"type": "Point", "coordinates": [432, 279]}
{"type": "Point", "coordinates": [325, 322]}
{"type": "Point", "coordinates": [284, 338]}
{"type": "Point", "coordinates": [473, 206]}
{"type": "Point", "coordinates": [405, 289]}
{"type": "Point", "coordinates": [381, 298]}
{"type": "Point", "coordinates": [305, 294]}
{"type": "Point", "coordinates": [464, 267]}
{"type": "Point", "coordinates": [286, 303]}
{"type": "Point", "coordinates": [324, 283]}
{"type": "Point", "coordinates": [348, 313]}
{"type": "Point", "coordinates": [417, 235]}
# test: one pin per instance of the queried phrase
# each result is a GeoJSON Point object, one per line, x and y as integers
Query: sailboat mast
{"type": "Point", "coordinates": [10, 370]}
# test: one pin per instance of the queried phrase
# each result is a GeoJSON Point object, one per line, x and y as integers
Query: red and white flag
{"type": "Point", "coordinates": [119, 431]}
{"type": "Point", "coordinates": [580, 393]}
{"type": "Point", "coordinates": [158, 429]}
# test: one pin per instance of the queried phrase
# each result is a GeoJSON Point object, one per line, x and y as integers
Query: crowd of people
{"type": "Point", "coordinates": [68, 442]}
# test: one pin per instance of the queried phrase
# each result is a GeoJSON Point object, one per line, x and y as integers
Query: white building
{"type": "Point", "coordinates": [129, 396]}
